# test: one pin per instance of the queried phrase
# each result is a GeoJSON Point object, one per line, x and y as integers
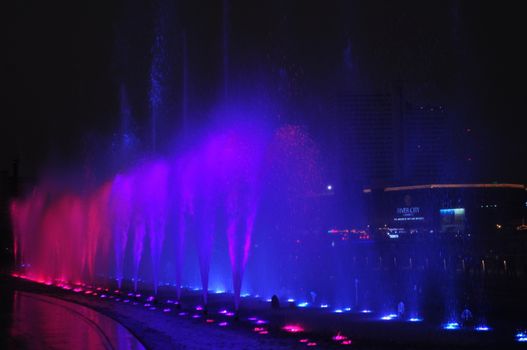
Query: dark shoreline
{"type": "Point", "coordinates": [159, 330]}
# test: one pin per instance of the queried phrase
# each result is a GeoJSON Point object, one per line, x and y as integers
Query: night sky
{"type": "Point", "coordinates": [64, 63]}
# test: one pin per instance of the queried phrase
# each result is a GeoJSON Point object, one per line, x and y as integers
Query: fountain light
{"type": "Point", "coordinates": [482, 328]}
{"type": "Point", "coordinates": [451, 326]}
{"type": "Point", "coordinates": [521, 337]}
{"type": "Point", "coordinates": [303, 304]}
{"type": "Point", "coordinates": [324, 306]}
{"type": "Point", "coordinates": [223, 324]}
{"type": "Point", "coordinates": [339, 337]}
{"type": "Point", "coordinates": [389, 317]}
{"type": "Point", "coordinates": [293, 328]}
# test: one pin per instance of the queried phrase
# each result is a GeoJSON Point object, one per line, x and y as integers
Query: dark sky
{"type": "Point", "coordinates": [65, 62]}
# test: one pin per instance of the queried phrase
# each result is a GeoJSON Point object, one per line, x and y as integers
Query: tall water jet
{"type": "Point", "coordinates": [157, 77]}
{"type": "Point", "coordinates": [98, 231]}
{"type": "Point", "coordinates": [184, 210]}
{"type": "Point", "coordinates": [206, 230]}
{"type": "Point", "coordinates": [156, 207]}
{"type": "Point", "coordinates": [241, 216]}
{"type": "Point", "coordinates": [185, 88]}
{"type": "Point", "coordinates": [125, 112]}
{"type": "Point", "coordinates": [121, 214]}
{"type": "Point", "coordinates": [139, 230]}
{"type": "Point", "coordinates": [225, 47]}
{"type": "Point", "coordinates": [239, 163]}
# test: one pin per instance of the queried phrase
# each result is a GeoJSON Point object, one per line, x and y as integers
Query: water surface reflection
{"type": "Point", "coordinates": [41, 322]}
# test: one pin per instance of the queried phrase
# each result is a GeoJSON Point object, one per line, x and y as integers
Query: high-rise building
{"type": "Point", "coordinates": [425, 143]}
{"type": "Point", "coordinates": [385, 140]}
{"type": "Point", "coordinates": [368, 137]}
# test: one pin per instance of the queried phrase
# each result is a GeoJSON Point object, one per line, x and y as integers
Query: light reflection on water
{"type": "Point", "coordinates": [40, 322]}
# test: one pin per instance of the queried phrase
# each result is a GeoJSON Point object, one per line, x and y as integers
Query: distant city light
{"type": "Point", "coordinates": [329, 187]}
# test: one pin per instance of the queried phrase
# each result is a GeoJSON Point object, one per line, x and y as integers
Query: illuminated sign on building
{"type": "Point", "coordinates": [452, 220]}
{"type": "Point", "coordinates": [408, 214]}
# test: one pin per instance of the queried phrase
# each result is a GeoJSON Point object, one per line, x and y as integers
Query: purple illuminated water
{"type": "Point", "coordinates": [210, 193]}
